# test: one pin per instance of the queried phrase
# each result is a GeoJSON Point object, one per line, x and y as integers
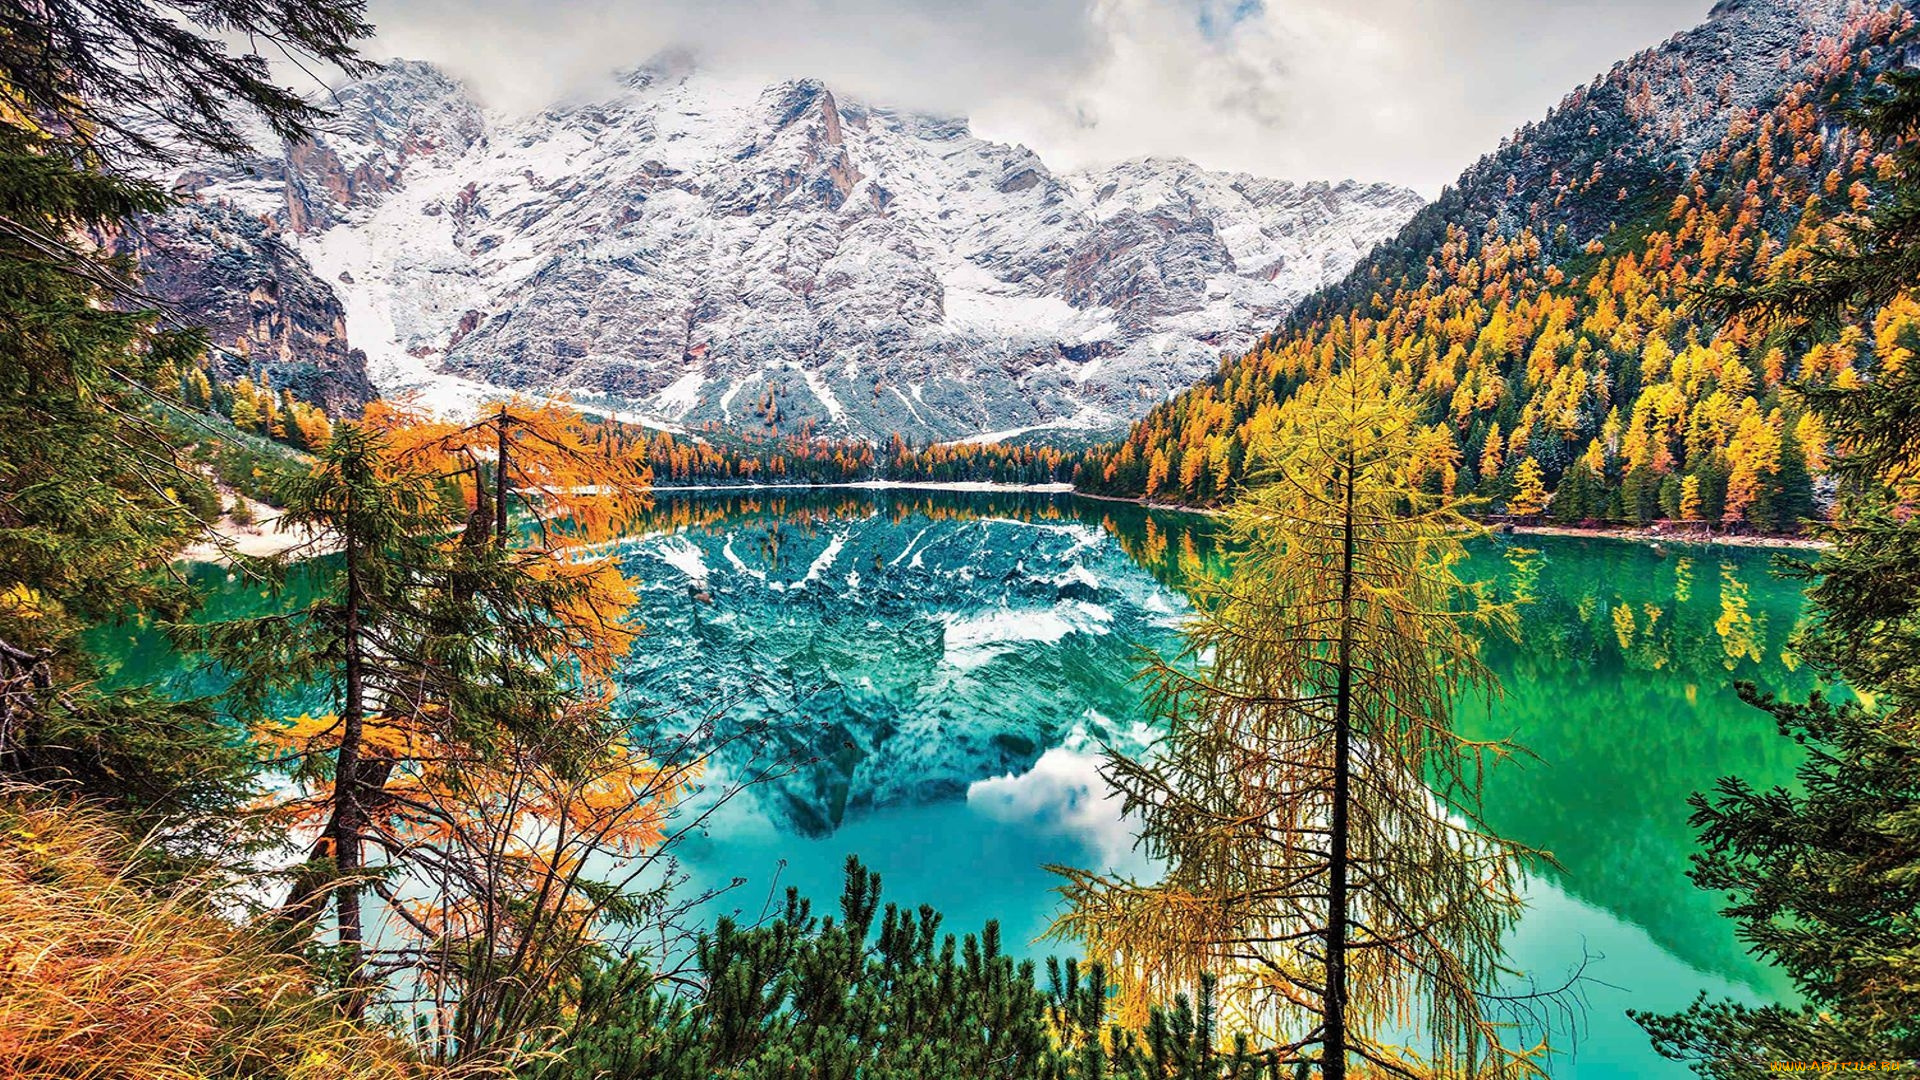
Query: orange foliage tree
{"type": "Point", "coordinates": [466, 763]}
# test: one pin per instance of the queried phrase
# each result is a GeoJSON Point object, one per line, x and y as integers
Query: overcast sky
{"type": "Point", "coordinates": [1403, 90]}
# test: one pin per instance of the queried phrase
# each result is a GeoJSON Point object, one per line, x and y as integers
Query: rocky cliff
{"type": "Point", "coordinates": [692, 247]}
{"type": "Point", "coordinates": [263, 308]}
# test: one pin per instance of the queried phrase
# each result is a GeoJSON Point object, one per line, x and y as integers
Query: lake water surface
{"type": "Point", "coordinates": [957, 660]}
{"type": "Point", "coordinates": [948, 666]}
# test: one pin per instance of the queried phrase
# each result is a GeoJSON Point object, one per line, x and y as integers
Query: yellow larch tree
{"type": "Point", "coordinates": [1312, 808]}
{"type": "Point", "coordinates": [1529, 490]}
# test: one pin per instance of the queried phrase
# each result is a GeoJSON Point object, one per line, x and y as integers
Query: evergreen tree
{"type": "Point", "coordinates": [120, 82]}
{"type": "Point", "coordinates": [1639, 496]}
{"type": "Point", "coordinates": [1709, 477]}
{"type": "Point", "coordinates": [1825, 880]}
{"type": "Point", "coordinates": [1313, 808]}
{"type": "Point", "coordinates": [93, 497]}
{"type": "Point", "coordinates": [804, 995]}
{"type": "Point", "coordinates": [467, 671]}
{"type": "Point", "coordinates": [1579, 497]}
{"type": "Point", "coordinates": [1792, 504]}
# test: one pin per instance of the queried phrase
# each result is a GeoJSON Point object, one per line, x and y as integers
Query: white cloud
{"type": "Point", "coordinates": [1062, 795]}
{"type": "Point", "coordinates": [1403, 90]}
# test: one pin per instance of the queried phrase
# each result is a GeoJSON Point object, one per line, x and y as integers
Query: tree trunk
{"type": "Point", "coordinates": [313, 883]}
{"type": "Point", "coordinates": [1333, 1055]}
{"type": "Point", "coordinates": [500, 481]}
{"type": "Point", "coordinates": [479, 531]}
{"type": "Point", "coordinates": [348, 816]}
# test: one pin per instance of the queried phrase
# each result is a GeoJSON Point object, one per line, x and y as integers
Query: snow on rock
{"type": "Point", "coordinates": [689, 244]}
{"type": "Point", "coordinates": [677, 400]}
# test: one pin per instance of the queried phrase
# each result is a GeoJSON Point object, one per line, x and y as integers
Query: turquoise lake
{"type": "Point", "coordinates": [941, 670]}
{"type": "Point", "coordinates": [956, 661]}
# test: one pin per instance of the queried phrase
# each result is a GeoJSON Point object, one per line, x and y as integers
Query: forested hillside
{"type": "Point", "coordinates": [1552, 305]}
{"type": "Point", "coordinates": [710, 455]}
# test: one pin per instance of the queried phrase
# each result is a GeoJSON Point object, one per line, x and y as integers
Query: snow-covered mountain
{"type": "Point", "coordinates": [691, 246]}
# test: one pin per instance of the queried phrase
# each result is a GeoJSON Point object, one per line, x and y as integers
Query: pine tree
{"type": "Point", "coordinates": [806, 995]}
{"type": "Point", "coordinates": [473, 672]}
{"type": "Point", "coordinates": [1792, 501]}
{"type": "Point", "coordinates": [1824, 880]}
{"type": "Point", "coordinates": [120, 82]}
{"type": "Point", "coordinates": [1307, 860]}
{"type": "Point", "coordinates": [1579, 497]}
{"type": "Point", "coordinates": [1709, 478]}
{"type": "Point", "coordinates": [92, 494]}
{"type": "Point", "coordinates": [1641, 495]}
{"type": "Point", "coordinates": [92, 499]}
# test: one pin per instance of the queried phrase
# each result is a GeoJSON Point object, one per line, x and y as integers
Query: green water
{"type": "Point", "coordinates": [941, 670]}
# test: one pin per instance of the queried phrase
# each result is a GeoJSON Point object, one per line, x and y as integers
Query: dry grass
{"type": "Point", "coordinates": [105, 976]}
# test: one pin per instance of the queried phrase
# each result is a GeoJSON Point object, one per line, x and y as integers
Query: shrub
{"type": "Point", "coordinates": [822, 997]}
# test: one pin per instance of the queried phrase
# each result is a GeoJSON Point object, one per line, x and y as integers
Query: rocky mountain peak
{"type": "Point", "coordinates": [1613, 149]}
{"type": "Point", "coordinates": [692, 246]}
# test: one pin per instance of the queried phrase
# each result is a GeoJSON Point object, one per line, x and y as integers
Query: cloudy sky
{"type": "Point", "coordinates": [1403, 90]}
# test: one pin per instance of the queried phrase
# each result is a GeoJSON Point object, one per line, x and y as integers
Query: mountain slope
{"type": "Point", "coordinates": [264, 311]}
{"type": "Point", "coordinates": [693, 247]}
{"type": "Point", "coordinates": [1543, 302]}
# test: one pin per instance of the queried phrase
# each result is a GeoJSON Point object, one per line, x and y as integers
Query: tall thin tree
{"type": "Point", "coordinates": [1314, 810]}
{"type": "Point", "coordinates": [444, 657]}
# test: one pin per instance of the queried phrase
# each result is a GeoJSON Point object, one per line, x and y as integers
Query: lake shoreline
{"type": "Point", "coordinates": [1639, 535]}
{"type": "Point", "coordinates": [1632, 534]}
{"type": "Point", "coordinates": [264, 535]}
{"type": "Point", "coordinates": [263, 538]}
{"type": "Point", "coordinates": [877, 485]}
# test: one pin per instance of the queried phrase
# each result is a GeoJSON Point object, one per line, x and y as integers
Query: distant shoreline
{"type": "Point", "coordinates": [1640, 535]}
{"type": "Point", "coordinates": [876, 485]}
{"type": "Point", "coordinates": [263, 537]}
{"type": "Point", "coordinates": [1637, 534]}
{"type": "Point", "coordinates": [1634, 534]}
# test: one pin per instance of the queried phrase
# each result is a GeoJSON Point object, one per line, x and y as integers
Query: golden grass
{"type": "Point", "coordinates": [105, 975]}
